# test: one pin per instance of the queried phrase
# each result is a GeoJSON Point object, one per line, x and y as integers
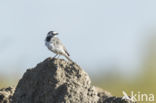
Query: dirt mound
{"type": "Point", "coordinates": [57, 81]}
{"type": "Point", "coordinates": [6, 94]}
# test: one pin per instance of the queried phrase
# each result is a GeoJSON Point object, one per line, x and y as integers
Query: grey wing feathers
{"type": "Point", "coordinates": [58, 43]}
{"type": "Point", "coordinates": [66, 51]}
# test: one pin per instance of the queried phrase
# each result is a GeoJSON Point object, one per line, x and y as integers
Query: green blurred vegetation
{"type": "Point", "coordinates": [8, 81]}
{"type": "Point", "coordinates": [144, 83]}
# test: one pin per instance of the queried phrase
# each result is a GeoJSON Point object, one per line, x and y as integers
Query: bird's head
{"type": "Point", "coordinates": [52, 33]}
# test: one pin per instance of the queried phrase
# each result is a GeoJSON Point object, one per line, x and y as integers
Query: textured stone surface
{"type": "Point", "coordinates": [55, 81]}
{"type": "Point", "coordinates": [6, 95]}
{"type": "Point", "coordinates": [115, 100]}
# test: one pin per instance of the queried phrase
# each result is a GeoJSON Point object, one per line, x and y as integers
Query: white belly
{"type": "Point", "coordinates": [52, 48]}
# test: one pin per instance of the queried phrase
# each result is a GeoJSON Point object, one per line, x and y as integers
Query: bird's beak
{"type": "Point", "coordinates": [55, 33]}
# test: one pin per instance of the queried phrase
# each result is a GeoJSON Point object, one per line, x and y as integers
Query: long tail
{"type": "Point", "coordinates": [68, 58]}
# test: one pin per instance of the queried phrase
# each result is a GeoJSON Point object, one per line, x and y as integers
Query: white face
{"type": "Point", "coordinates": [55, 32]}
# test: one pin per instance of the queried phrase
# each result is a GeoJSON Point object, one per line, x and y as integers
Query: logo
{"type": "Point", "coordinates": [138, 97]}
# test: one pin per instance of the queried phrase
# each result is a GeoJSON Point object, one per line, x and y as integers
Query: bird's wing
{"type": "Point", "coordinates": [59, 44]}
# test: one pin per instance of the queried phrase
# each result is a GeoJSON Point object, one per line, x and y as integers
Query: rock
{"type": "Point", "coordinates": [115, 100]}
{"type": "Point", "coordinates": [103, 94]}
{"type": "Point", "coordinates": [55, 81]}
{"type": "Point", "coordinates": [6, 95]}
{"type": "Point", "coordinates": [106, 97]}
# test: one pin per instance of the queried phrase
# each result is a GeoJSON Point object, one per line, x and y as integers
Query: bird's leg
{"type": "Point", "coordinates": [58, 56]}
{"type": "Point", "coordinates": [58, 60]}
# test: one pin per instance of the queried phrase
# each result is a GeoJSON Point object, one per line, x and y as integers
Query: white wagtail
{"type": "Point", "coordinates": [54, 44]}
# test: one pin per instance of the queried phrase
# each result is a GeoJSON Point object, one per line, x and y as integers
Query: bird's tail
{"type": "Point", "coordinates": [68, 58]}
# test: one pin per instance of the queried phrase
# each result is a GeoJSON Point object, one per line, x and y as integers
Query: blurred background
{"type": "Point", "coordinates": [114, 41]}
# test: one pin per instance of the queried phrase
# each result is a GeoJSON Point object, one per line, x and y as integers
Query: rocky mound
{"type": "Point", "coordinates": [55, 81]}
{"type": "Point", "coordinates": [6, 95]}
{"type": "Point", "coordinates": [58, 81]}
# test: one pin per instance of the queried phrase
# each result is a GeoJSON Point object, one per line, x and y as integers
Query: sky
{"type": "Point", "coordinates": [98, 34]}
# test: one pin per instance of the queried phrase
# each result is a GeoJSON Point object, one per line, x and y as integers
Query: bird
{"type": "Point", "coordinates": [55, 45]}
